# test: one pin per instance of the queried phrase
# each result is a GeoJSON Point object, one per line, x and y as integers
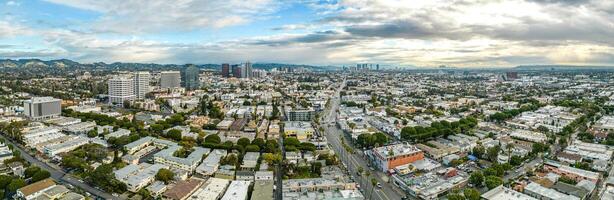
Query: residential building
{"type": "Point", "coordinates": [190, 77]}
{"type": "Point", "coordinates": [141, 84]}
{"type": "Point", "coordinates": [34, 190]}
{"type": "Point", "coordinates": [170, 79]}
{"type": "Point", "coordinates": [237, 190]}
{"type": "Point", "coordinates": [301, 115]}
{"type": "Point", "coordinates": [212, 189]}
{"type": "Point", "coordinates": [39, 108]}
{"type": "Point", "coordinates": [121, 89]}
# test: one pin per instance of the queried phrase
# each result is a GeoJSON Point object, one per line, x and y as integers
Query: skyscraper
{"type": "Point", "coordinates": [39, 108]}
{"type": "Point", "coordinates": [141, 84]}
{"type": "Point", "coordinates": [170, 79]}
{"type": "Point", "coordinates": [189, 77]}
{"type": "Point", "coordinates": [248, 70]}
{"type": "Point", "coordinates": [121, 88]}
{"type": "Point", "coordinates": [236, 71]}
{"type": "Point", "coordinates": [225, 70]}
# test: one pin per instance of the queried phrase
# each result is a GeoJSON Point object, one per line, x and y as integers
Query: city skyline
{"type": "Point", "coordinates": [338, 33]}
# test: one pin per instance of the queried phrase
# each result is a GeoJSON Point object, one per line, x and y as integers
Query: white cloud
{"type": "Point", "coordinates": [147, 16]}
{"type": "Point", "coordinates": [394, 32]}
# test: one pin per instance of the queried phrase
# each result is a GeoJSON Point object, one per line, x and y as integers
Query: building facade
{"type": "Point", "coordinates": [170, 79]}
{"type": "Point", "coordinates": [39, 108]}
{"type": "Point", "coordinates": [189, 77]}
{"type": "Point", "coordinates": [121, 88]}
{"type": "Point", "coordinates": [226, 70]}
{"type": "Point", "coordinates": [141, 84]}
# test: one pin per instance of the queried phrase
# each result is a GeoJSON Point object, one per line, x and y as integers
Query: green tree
{"type": "Point", "coordinates": [455, 196]}
{"type": "Point", "coordinates": [493, 182]}
{"type": "Point", "coordinates": [40, 175]}
{"type": "Point", "coordinates": [15, 184]}
{"type": "Point", "coordinates": [30, 171]}
{"type": "Point", "coordinates": [259, 142]}
{"type": "Point", "coordinates": [252, 148]}
{"type": "Point", "coordinates": [291, 142]}
{"type": "Point", "coordinates": [478, 151]}
{"type": "Point", "coordinates": [5, 181]}
{"type": "Point", "coordinates": [476, 179]}
{"type": "Point", "coordinates": [471, 194]}
{"type": "Point", "coordinates": [213, 138]}
{"type": "Point", "coordinates": [243, 142]}
{"type": "Point", "coordinates": [174, 134]}
{"type": "Point", "coordinates": [165, 175]}
{"type": "Point", "coordinates": [492, 153]}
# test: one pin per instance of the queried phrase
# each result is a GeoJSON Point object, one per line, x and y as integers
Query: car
{"type": "Point", "coordinates": [371, 168]}
{"type": "Point", "coordinates": [379, 185]}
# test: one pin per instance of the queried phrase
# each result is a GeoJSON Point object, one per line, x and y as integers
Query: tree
{"type": "Point", "coordinates": [103, 177]}
{"type": "Point", "coordinates": [516, 160]}
{"type": "Point", "coordinates": [291, 142]}
{"type": "Point", "coordinates": [271, 146]}
{"type": "Point", "coordinates": [40, 175]}
{"type": "Point", "coordinates": [478, 151]}
{"type": "Point", "coordinates": [476, 179]}
{"type": "Point", "coordinates": [92, 133]}
{"type": "Point", "coordinates": [492, 153]}
{"type": "Point", "coordinates": [174, 134]}
{"type": "Point", "coordinates": [493, 182]}
{"type": "Point", "coordinates": [471, 194]}
{"type": "Point", "coordinates": [165, 175]}
{"type": "Point", "coordinates": [373, 184]}
{"type": "Point", "coordinates": [306, 146]}
{"type": "Point", "coordinates": [30, 171]}
{"type": "Point", "coordinates": [259, 142]}
{"type": "Point", "coordinates": [4, 181]}
{"type": "Point", "coordinates": [252, 148]}
{"type": "Point", "coordinates": [213, 138]}
{"type": "Point", "coordinates": [455, 196]}
{"type": "Point", "coordinates": [15, 184]}
{"type": "Point", "coordinates": [271, 158]}
{"type": "Point", "coordinates": [243, 142]}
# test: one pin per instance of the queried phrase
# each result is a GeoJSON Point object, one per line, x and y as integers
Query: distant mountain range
{"type": "Point", "coordinates": [69, 64]}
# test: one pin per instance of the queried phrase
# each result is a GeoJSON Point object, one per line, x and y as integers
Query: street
{"type": "Point", "coordinates": [59, 175]}
{"type": "Point", "coordinates": [354, 161]}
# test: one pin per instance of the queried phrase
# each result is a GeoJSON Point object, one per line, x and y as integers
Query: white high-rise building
{"type": "Point", "coordinates": [39, 108]}
{"type": "Point", "coordinates": [170, 79]}
{"type": "Point", "coordinates": [141, 84]}
{"type": "Point", "coordinates": [121, 88]}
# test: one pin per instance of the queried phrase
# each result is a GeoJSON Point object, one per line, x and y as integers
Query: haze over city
{"type": "Point", "coordinates": [460, 33]}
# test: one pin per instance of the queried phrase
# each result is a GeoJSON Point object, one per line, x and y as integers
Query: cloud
{"type": "Point", "coordinates": [147, 16]}
{"type": "Point", "coordinates": [392, 32]}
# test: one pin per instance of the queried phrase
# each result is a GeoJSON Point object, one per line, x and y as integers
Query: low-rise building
{"type": "Point", "coordinates": [138, 176]}
{"type": "Point", "coordinates": [212, 189]}
{"type": "Point", "coordinates": [503, 193]}
{"type": "Point", "coordinates": [388, 157]}
{"type": "Point", "coordinates": [237, 190]}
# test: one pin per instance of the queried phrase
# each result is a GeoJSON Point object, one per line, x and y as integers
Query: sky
{"type": "Point", "coordinates": [423, 33]}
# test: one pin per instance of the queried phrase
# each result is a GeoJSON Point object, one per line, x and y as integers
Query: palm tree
{"type": "Point", "coordinates": [509, 150]}
{"type": "Point", "coordinates": [373, 184]}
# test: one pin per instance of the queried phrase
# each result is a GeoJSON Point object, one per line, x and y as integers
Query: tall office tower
{"type": "Point", "coordinates": [236, 71]}
{"type": "Point", "coordinates": [141, 84]}
{"type": "Point", "coordinates": [39, 108]}
{"type": "Point", "coordinates": [121, 88]}
{"type": "Point", "coordinates": [170, 79]}
{"type": "Point", "coordinates": [377, 67]}
{"type": "Point", "coordinates": [248, 70]}
{"type": "Point", "coordinates": [225, 70]}
{"type": "Point", "coordinates": [189, 77]}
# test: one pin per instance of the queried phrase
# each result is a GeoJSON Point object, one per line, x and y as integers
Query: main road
{"type": "Point", "coordinates": [353, 161]}
{"type": "Point", "coordinates": [57, 174]}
